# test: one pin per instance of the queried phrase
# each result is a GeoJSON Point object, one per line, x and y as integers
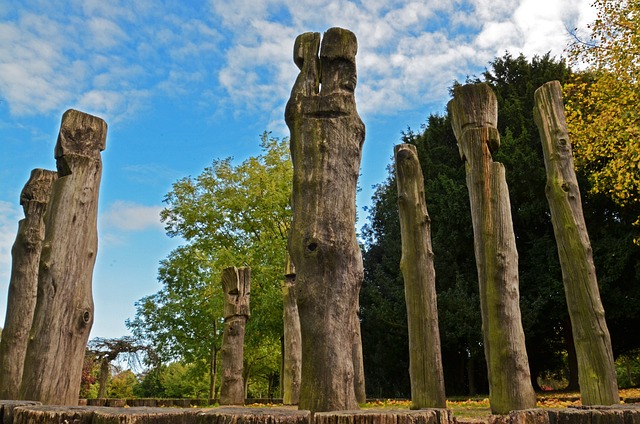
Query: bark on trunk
{"type": "Point", "coordinates": [103, 377]}
{"type": "Point", "coordinates": [358, 361]}
{"type": "Point", "coordinates": [326, 147]}
{"type": "Point", "coordinates": [596, 370]}
{"type": "Point", "coordinates": [213, 373]}
{"type": "Point", "coordinates": [572, 359]}
{"type": "Point", "coordinates": [64, 307]}
{"type": "Point", "coordinates": [474, 116]}
{"type": "Point", "coordinates": [23, 283]}
{"type": "Point", "coordinates": [292, 355]}
{"type": "Point", "coordinates": [236, 287]}
{"type": "Point", "coordinates": [425, 358]}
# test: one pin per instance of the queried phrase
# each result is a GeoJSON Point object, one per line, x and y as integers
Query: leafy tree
{"type": "Point", "coordinates": [230, 215]}
{"type": "Point", "coordinates": [105, 351]}
{"type": "Point", "coordinates": [602, 103]}
{"type": "Point", "coordinates": [122, 385]}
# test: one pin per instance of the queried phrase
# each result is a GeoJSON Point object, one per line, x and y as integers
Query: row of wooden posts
{"type": "Point", "coordinates": [43, 342]}
{"type": "Point", "coordinates": [473, 112]}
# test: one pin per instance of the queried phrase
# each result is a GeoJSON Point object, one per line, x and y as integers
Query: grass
{"type": "Point", "coordinates": [479, 409]}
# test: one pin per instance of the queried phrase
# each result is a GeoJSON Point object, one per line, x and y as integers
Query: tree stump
{"type": "Point", "coordinates": [64, 309]}
{"type": "Point", "coordinates": [236, 287]}
{"type": "Point", "coordinates": [227, 415]}
{"type": "Point", "coordinates": [422, 416]}
{"type": "Point", "coordinates": [596, 369]}
{"type": "Point", "coordinates": [425, 357]}
{"type": "Point", "coordinates": [23, 283]}
{"type": "Point", "coordinates": [474, 114]}
{"type": "Point", "coordinates": [292, 355]}
{"type": "Point", "coordinates": [7, 409]}
{"type": "Point", "coordinates": [326, 147]}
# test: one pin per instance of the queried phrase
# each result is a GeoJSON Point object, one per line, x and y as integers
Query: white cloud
{"type": "Point", "coordinates": [130, 216]}
{"type": "Point", "coordinates": [115, 59]}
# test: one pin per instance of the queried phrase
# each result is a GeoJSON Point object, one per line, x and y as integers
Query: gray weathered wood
{"type": "Point", "coordinates": [64, 307]}
{"type": "Point", "coordinates": [292, 355]}
{"type": "Point", "coordinates": [23, 283]}
{"type": "Point", "coordinates": [596, 369]}
{"type": "Point", "coordinates": [326, 147]}
{"type": "Point", "coordinates": [425, 358]}
{"type": "Point", "coordinates": [375, 416]}
{"type": "Point", "coordinates": [236, 287]}
{"type": "Point", "coordinates": [474, 114]}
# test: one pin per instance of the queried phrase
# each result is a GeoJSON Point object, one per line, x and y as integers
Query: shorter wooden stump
{"type": "Point", "coordinates": [385, 416]}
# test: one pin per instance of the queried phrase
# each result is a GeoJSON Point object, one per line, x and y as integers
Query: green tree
{"type": "Point", "coordinates": [602, 103]}
{"type": "Point", "coordinates": [122, 385]}
{"type": "Point", "coordinates": [230, 215]}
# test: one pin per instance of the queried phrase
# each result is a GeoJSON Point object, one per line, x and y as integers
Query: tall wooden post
{"type": "Point", "coordinates": [236, 285]}
{"type": "Point", "coordinates": [474, 115]}
{"type": "Point", "coordinates": [292, 355]}
{"type": "Point", "coordinates": [23, 284]}
{"type": "Point", "coordinates": [596, 370]}
{"type": "Point", "coordinates": [326, 147]}
{"type": "Point", "coordinates": [64, 308]}
{"type": "Point", "coordinates": [425, 357]}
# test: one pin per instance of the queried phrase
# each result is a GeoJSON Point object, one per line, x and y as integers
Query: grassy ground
{"type": "Point", "coordinates": [478, 409]}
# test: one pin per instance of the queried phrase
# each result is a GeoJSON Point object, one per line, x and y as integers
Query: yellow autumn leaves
{"type": "Point", "coordinates": [603, 101]}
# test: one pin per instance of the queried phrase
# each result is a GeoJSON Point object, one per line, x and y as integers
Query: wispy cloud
{"type": "Point", "coordinates": [112, 60]}
{"type": "Point", "coordinates": [129, 216]}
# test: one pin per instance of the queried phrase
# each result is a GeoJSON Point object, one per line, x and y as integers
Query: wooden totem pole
{"type": "Point", "coordinates": [23, 284]}
{"type": "Point", "coordinates": [64, 307]}
{"type": "Point", "coordinates": [292, 356]}
{"type": "Point", "coordinates": [326, 147]}
{"type": "Point", "coordinates": [596, 369]}
{"type": "Point", "coordinates": [474, 116]}
{"type": "Point", "coordinates": [236, 284]}
{"type": "Point", "coordinates": [425, 357]}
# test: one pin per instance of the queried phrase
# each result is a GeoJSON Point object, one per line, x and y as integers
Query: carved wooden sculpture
{"type": "Point", "coordinates": [474, 115]}
{"type": "Point", "coordinates": [23, 285]}
{"type": "Point", "coordinates": [64, 308]}
{"type": "Point", "coordinates": [292, 358]}
{"type": "Point", "coordinates": [236, 283]}
{"type": "Point", "coordinates": [425, 358]}
{"type": "Point", "coordinates": [596, 370]}
{"type": "Point", "coordinates": [326, 147]}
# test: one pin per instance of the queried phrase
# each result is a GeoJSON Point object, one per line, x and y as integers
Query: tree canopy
{"type": "Point", "coordinates": [544, 312]}
{"type": "Point", "coordinates": [230, 215]}
{"type": "Point", "coordinates": [602, 102]}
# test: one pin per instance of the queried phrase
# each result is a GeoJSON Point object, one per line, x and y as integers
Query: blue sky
{"type": "Point", "coordinates": [181, 83]}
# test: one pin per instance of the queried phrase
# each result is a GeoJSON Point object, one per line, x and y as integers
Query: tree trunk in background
{"type": "Point", "coordinates": [358, 360]}
{"type": "Point", "coordinates": [326, 147]}
{"type": "Point", "coordinates": [425, 358]}
{"type": "Point", "coordinates": [103, 378]}
{"type": "Point", "coordinates": [572, 359]}
{"type": "Point", "coordinates": [64, 308]}
{"type": "Point", "coordinates": [474, 114]}
{"type": "Point", "coordinates": [236, 287]}
{"type": "Point", "coordinates": [596, 369]}
{"type": "Point", "coordinates": [213, 372]}
{"type": "Point", "coordinates": [292, 355]}
{"type": "Point", "coordinates": [23, 284]}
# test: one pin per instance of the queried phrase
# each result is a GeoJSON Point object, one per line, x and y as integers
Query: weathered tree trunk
{"type": "Point", "coordinates": [596, 370]}
{"type": "Point", "coordinates": [23, 284]}
{"type": "Point", "coordinates": [103, 377]}
{"type": "Point", "coordinates": [425, 358]}
{"type": "Point", "coordinates": [64, 308]}
{"type": "Point", "coordinates": [292, 355]}
{"type": "Point", "coordinates": [358, 360]}
{"type": "Point", "coordinates": [474, 114]}
{"type": "Point", "coordinates": [213, 370]}
{"type": "Point", "coordinates": [326, 147]}
{"type": "Point", "coordinates": [572, 359]}
{"type": "Point", "coordinates": [236, 286]}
